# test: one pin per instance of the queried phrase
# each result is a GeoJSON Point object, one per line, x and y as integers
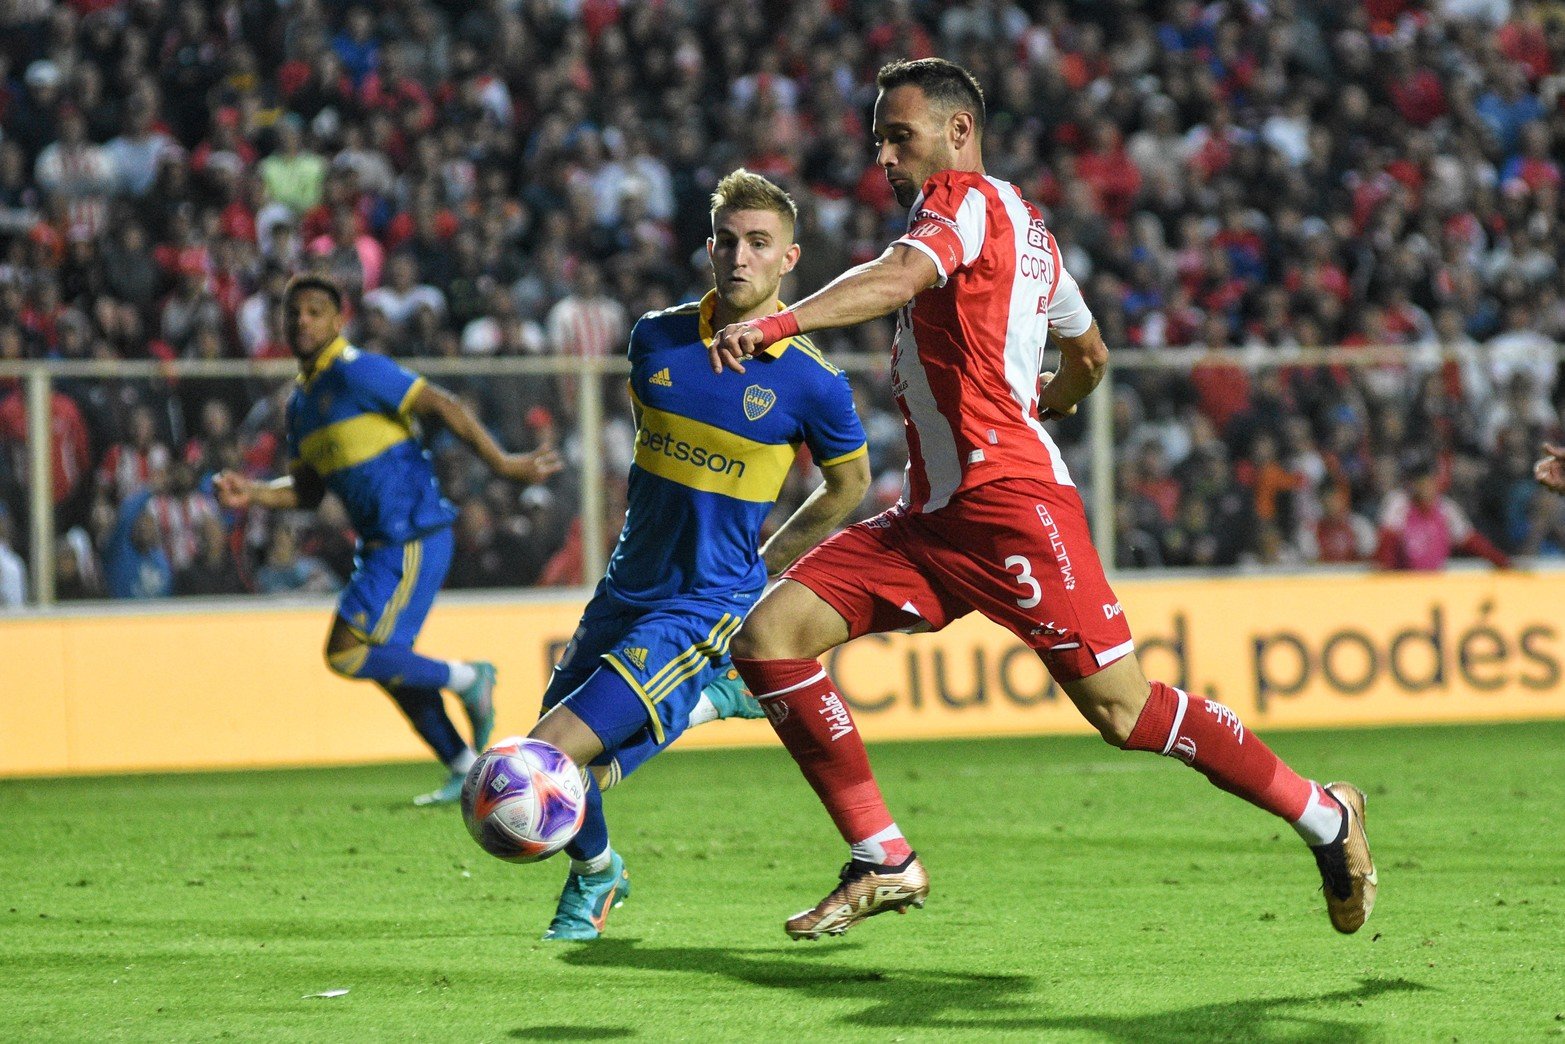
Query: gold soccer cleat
{"type": "Point", "coordinates": [866, 890]}
{"type": "Point", "coordinates": [1346, 869]}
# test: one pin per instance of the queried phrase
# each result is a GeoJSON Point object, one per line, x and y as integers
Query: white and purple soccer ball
{"type": "Point", "coordinates": [523, 800]}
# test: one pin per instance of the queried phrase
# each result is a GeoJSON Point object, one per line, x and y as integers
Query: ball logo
{"type": "Point", "coordinates": [757, 400]}
{"type": "Point", "coordinates": [499, 783]}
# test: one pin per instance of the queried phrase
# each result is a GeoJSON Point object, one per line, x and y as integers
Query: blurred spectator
{"type": "Point", "coordinates": [286, 570]}
{"type": "Point", "coordinates": [134, 561]}
{"type": "Point", "coordinates": [1420, 528]}
{"type": "Point", "coordinates": [211, 571]}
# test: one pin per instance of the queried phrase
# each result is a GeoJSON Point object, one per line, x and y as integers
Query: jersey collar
{"type": "Point", "coordinates": [709, 306]}
{"type": "Point", "coordinates": [327, 356]}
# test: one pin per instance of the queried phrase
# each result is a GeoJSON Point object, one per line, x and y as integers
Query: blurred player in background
{"type": "Point", "coordinates": [712, 452]}
{"type": "Point", "coordinates": [350, 430]}
{"type": "Point", "coordinates": [990, 520]}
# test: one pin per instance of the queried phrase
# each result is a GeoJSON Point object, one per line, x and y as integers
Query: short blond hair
{"type": "Point", "coordinates": [744, 190]}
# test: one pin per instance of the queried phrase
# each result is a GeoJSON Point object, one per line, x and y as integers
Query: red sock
{"type": "Point", "coordinates": [813, 722]}
{"type": "Point", "coordinates": [1209, 738]}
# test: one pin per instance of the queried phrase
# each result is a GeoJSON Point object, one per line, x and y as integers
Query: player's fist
{"type": "Point", "coordinates": [234, 491]}
{"type": "Point", "coordinates": [1048, 410]}
{"type": "Point", "coordinates": [733, 344]}
{"type": "Point", "coordinates": [1550, 470]}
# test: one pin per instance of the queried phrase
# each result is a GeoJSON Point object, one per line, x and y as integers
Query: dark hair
{"type": "Point", "coordinates": [944, 83]}
{"type": "Point", "coordinates": [300, 283]}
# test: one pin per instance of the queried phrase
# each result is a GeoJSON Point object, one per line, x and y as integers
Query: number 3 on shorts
{"type": "Point", "coordinates": [1026, 579]}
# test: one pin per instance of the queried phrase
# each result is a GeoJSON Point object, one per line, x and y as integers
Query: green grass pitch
{"type": "Point", "coordinates": [1080, 894]}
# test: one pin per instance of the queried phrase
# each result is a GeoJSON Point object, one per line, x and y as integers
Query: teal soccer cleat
{"type": "Point", "coordinates": [732, 700]}
{"type": "Point", "coordinates": [586, 901]}
{"type": "Point", "coordinates": [447, 793]}
{"type": "Point", "coordinates": [478, 700]}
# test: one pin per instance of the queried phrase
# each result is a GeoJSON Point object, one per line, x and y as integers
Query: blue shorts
{"type": "Point", "coordinates": [666, 654]}
{"type": "Point", "coordinates": [393, 587]}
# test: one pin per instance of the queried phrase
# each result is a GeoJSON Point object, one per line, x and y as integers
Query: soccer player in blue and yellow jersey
{"type": "Point", "coordinates": [712, 451]}
{"type": "Point", "coordinates": [350, 430]}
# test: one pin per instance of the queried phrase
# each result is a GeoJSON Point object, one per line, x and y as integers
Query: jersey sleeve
{"type": "Point", "coordinates": [949, 224]}
{"type": "Point", "coordinates": [387, 387]}
{"type": "Point", "coordinates": [1069, 315]}
{"type": "Point", "coordinates": [831, 424]}
{"type": "Point", "coordinates": [635, 345]}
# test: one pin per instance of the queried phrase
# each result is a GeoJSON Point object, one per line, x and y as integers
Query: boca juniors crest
{"type": "Point", "coordinates": [757, 400]}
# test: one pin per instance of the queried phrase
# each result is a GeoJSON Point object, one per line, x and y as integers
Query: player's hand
{"type": "Point", "coordinates": [234, 491]}
{"type": "Point", "coordinates": [1051, 411]}
{"type": "Point", "coordinates": [1550, 471]}
{"type": "Point", "coordinates": [733, 344]}
{"type": "Point", "coordinates": [528, 468]}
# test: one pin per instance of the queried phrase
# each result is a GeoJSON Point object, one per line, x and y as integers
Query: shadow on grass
{"type": "Point", "coordinates": [572, 1033]}
{"type": "Point", "coordinates": [919, 998]}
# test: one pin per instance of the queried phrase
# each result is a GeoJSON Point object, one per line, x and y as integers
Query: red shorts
{"type": "Point", "coordinates": [1016, 550]}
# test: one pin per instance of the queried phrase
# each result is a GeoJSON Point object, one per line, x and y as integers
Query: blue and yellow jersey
{"type": "Point", "coordinates": [712, 451]}
{"type": "Point", "coordinates": [349, 420]}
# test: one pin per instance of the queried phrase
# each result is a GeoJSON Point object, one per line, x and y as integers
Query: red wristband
{"type": "Point", "coordinates": [775, 327]}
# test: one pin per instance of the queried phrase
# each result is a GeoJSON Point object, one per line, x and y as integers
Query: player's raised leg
{"type": "Point", "coordinates": [1134, 714]}
{"type": "Point", "coordinates": [776, 654]}
{"type": "Point", "coordinates": [378, 619]}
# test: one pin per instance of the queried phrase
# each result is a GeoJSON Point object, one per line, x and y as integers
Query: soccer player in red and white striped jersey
{"type": "Point", "coordinates": [990, 520]}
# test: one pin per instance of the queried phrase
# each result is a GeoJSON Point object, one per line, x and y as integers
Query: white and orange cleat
{"type": "Point", "coordinates": [1347, 871]}
{"type": "Point", "coordinates": [867, 889]}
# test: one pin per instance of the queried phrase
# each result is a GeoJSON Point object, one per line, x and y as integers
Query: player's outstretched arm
{"type": "Point", "coordinates": [1083, 361]}
{"type": "Point", "coordinates": [1550, 469]}
{"type": "Point", "coordinates": [302, 487]}
{"type": "Point", "coordinates": [822, 511]}
{"type": "Point", "coordinates": [434, 401]}
{"type": "Point", "coordinates": [871, 290]}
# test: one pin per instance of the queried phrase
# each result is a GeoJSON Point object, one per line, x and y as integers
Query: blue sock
{"type": "Point", "coordinates": [427, 714]}
{"type": "Point", "coordinates": [401, 666]}
{"type": "Point", "coordinates": [593, 837]}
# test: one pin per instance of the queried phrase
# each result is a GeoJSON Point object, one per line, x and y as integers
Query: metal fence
{"type": "Point", "coordinates": [588, 383]}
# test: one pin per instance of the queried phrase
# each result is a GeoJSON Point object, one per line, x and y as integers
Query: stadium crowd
{"type": "Point", "coordinates": [524, 177]}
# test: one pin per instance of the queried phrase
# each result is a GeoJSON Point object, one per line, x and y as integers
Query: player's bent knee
{"type": "Point", "coordinates": [347, 662]}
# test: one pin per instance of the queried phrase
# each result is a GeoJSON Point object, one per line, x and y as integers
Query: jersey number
{"type": "Point", "coordinates": [1026, 579]}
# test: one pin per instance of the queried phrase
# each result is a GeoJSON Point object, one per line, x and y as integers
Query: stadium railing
{"type": "Point", "coordinates": [588, 381]}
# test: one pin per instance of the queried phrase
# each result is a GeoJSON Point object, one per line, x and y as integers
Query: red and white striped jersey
{"type": "Point", "coordinates": [969, 350]}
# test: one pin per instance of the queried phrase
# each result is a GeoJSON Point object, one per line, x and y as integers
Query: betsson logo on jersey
{"type": "Point", "coordinates": [683, 451]}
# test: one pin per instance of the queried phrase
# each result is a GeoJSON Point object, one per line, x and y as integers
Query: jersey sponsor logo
{"type": "Point", "coordinates": [836, 716]}
{"type": "Point", "coordinates": [661, 379]}
{"type": "Point", "coordinates": [757, 400]}
{"type": "Point", "coordinates": [1111, 611]}
{"type": "Point", "coordinates": [685, 452]}
{"type": "Point", "coordinates": [1037, 235]}
{"type": "Point", "coordinates": [1057, 545]}
{"type": "Point", "coordinates": [636, 655]}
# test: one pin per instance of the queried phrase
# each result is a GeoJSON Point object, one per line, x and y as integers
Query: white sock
{"type": "Point", "coordinates": [596, 865]}
{"type": "Point", "coordinates": [704, 711]}
{"type": "Point", "coordinates": [463, 761]}
{"type": "Point", "coordinates": [462, 675]}
{"type": "Point", "coordinates": [873, 849]}
{"type": "Point", "coordinates": [1322, 819]}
